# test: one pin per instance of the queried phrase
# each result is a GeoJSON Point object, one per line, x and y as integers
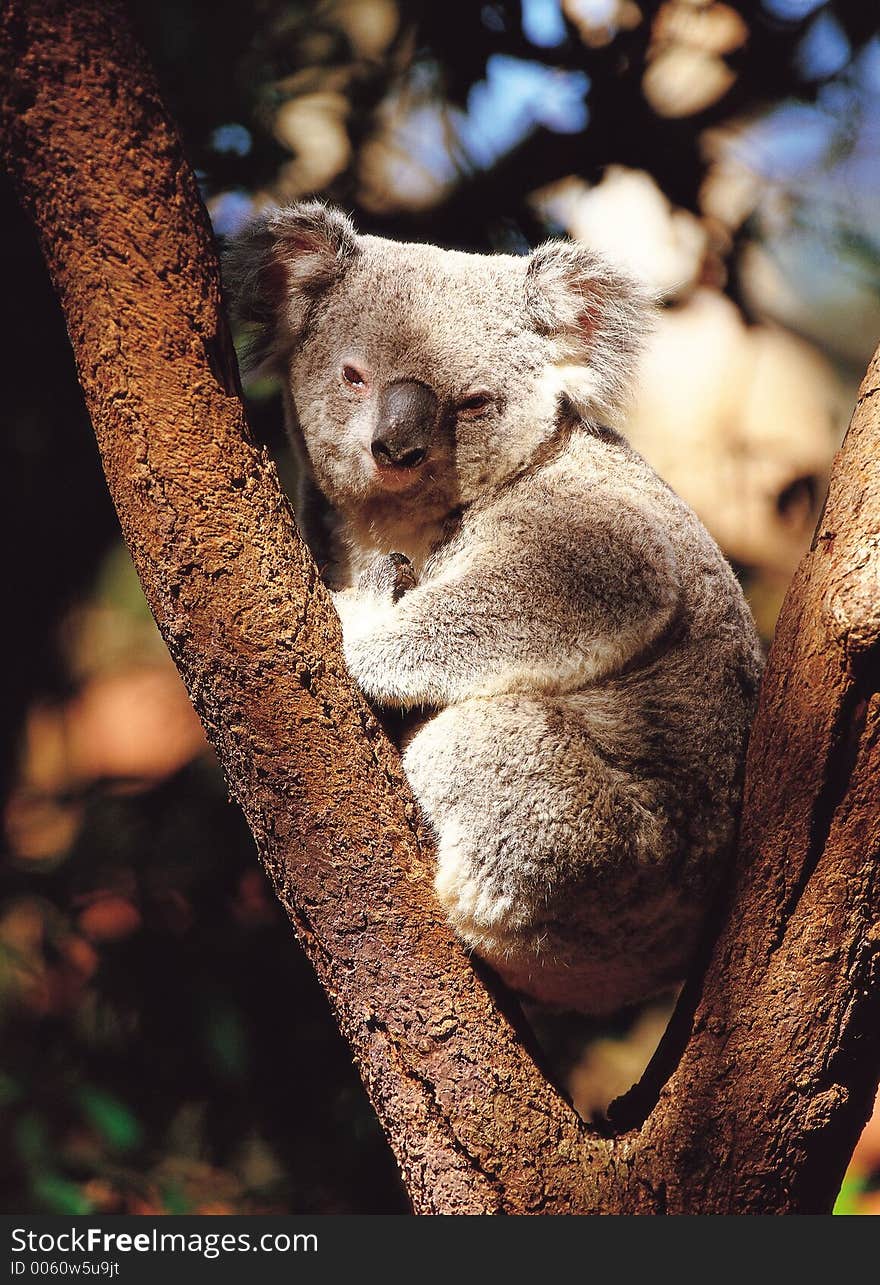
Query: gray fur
{"type": "Point", "coordinates": [576, 657]}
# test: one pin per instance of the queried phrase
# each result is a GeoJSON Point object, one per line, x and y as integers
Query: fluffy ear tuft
{"type": "Point", "coordinates": [275, 269]}
{"type": "Point", "coordinates": [600, 314]}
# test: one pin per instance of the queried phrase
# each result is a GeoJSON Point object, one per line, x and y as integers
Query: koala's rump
{"type": "Point", "coordinates": [579, 876]}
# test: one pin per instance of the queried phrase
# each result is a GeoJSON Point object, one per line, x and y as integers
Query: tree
{"type": "Point", "coordinates": [766, 1074]}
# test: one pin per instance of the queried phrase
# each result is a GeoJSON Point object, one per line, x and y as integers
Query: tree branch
{"type": "Point", "coordinates": [767, 1093]}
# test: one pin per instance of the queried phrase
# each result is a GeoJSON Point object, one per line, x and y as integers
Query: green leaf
{"type": "Point", "coordinates": [112, 1119]}
{"type": "Point", "coordinates": [847, 1201]}
{"type": "Point", "coordinates": [227, 1040]}
{"type": "Point", "coordinates": [61, 1196]}
{"type": "Point", "coordinates": [174, 1199]}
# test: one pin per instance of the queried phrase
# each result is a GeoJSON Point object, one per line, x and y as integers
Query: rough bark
{"type": "Point", "coordinates": [757, 1094]}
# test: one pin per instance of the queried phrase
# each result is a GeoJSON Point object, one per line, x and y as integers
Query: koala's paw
{"type": "Point", "coordinates": [483, 913]}
{"type": "Point", "coordinates": [388, 578]}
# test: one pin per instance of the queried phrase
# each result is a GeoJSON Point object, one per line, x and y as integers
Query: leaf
{"type": "Point", "coordinates": [61, 1196]}
{"type": "Point", "coordinates": [112, 1119]}
{"type": "Point", "coordinates": [848, 1198]}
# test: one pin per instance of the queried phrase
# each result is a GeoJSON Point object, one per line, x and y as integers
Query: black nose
{"type": "Point", "coordinates": [407, 415]}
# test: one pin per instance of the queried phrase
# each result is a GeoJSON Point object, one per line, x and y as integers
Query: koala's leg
{"type": "Point", "coordinates": [518, 805]}
{"type": "Point", "coordinates": [550, 860]}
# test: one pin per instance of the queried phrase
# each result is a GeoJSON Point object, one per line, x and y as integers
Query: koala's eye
{"type": "Point", "coordinates": [476, 403]}
{"type": "Point", "coordinates": [354, 377]}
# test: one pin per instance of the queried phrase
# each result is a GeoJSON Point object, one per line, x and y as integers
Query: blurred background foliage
{"type": "Point", "coordinates": [164, 1045]}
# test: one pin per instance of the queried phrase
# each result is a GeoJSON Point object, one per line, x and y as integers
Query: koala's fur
{"type": "Point", "coordinates": [581, 659]}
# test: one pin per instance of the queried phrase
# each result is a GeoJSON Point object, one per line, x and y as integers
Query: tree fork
{"type": "Point", "coordinates": [756, 1097]}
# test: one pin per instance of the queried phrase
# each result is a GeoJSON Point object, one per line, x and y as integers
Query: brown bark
{"type": "Point", "coordinates": [756, 1097]}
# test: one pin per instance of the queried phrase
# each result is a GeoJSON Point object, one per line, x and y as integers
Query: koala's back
{"type": "Point", "coordinates": [584, 825]}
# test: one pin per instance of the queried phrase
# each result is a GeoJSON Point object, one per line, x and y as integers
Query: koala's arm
{"type": "Point", "coordinates": [561, 609]}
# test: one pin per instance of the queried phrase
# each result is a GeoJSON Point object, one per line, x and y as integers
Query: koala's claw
{"type": "Point", "coordinates": [388, 577]}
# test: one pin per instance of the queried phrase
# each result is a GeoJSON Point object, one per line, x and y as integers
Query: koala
{"type": "Point", "coordinates": [574, 659]}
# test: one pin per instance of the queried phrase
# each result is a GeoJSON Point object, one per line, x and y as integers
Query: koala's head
{"type": "Point", "coordinates": [420, 377]}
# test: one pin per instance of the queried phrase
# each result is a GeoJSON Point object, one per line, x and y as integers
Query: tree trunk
{"type": "Point", "coordinates": [757, 1094]}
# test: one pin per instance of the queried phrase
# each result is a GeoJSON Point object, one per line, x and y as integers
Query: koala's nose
{"type": "Point", "coordinates": [407, 414]}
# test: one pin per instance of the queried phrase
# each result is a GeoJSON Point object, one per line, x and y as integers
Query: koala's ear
{"type": "Point", "coordinates": [599, 313]}
{"type": "Point", "coordinates": [276, 268]}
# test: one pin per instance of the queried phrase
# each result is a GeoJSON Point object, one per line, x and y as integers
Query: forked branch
{"type": "Point", "coordinates": [767, 1082]}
